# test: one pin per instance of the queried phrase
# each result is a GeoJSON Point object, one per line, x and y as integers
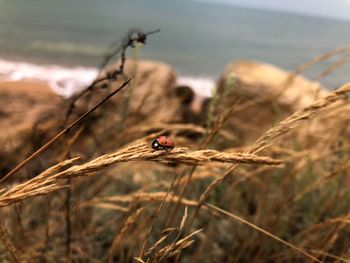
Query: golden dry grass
{"type": "Point", "coordinates": [289, 205]}
{"type": "Point", "coordinates": [281, 128]}
{"type": "Point", "coordinates": [48, 181]}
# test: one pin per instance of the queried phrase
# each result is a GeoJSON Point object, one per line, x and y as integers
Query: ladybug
{"type": "Point", "coordinates": [163, 143]}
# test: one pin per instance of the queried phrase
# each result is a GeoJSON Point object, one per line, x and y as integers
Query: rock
{"type": "Point", "coordinates": [191, 105]}
{"type": "Point", "coordinates": [152, 93]}
{"type": "Point", "coordinates": [24, 104]}
{"type": "Point", "coordinates": [272, 92]}
{"type": "Point", "coordinates": [35, 114]}
{"type": "Point", "coordinates": [149, 98]}
{"type": "Point", "coordinates": [262, 79]}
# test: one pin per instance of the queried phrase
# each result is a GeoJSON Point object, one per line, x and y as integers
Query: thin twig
{"type": "Point", "coordinates": [132, 37]}
{"type": "Point", "coordinates": [270, 135]}
{"type": "Point", "coordinates": [4, 237]}
{"type": "Point", "coordinates": [242, 220]}
{"type": "Point", "coordinates": [64, 131]}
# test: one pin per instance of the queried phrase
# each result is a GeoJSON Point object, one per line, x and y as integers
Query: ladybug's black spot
{"type": "Point", "coordinates": [156, 145]}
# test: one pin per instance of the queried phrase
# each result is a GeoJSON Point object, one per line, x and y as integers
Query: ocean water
{"type": "Point", "coordinates": [62, 42]}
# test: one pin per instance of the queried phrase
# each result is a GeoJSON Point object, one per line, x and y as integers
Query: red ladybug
{"type": "Point", "coordinates": [163, 143]}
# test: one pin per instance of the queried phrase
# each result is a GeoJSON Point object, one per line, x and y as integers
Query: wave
{"type": "Point", "coordinates": [62, 80]}
{"type": "Point", "coordinates": [68, 80]}
{"type": "Point", "coordinates": [202, 86]}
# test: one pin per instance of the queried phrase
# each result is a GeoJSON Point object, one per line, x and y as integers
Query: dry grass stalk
{"type": "Point", "coordinates": [183, 220]}
{"type": "Point", "coordinates": [158, 243]}
{"type": "Point", "coordinates": [43, 184]}
{"type": "Point", "coordinates": [171, 250]}
{"type": "Point", "coordinates": [332, 68]}
{"type": "Point", "coordinates": [222, 119]}
{"type": "Point", "coordinates": [160, 197]}
{"type": "Point", "coordinates": [201, 173]}
{"type": "Point", "coordinates": [176, 248]}
{"type": "Point", "coordinates": [144, 198]}
{"type": "Point", "coordinates": [320, 181]}
{"type": "Point", "coordinates": [156, 213]}
{"type": "Point", "coordinates": [155, 247]}
{"type": "Point", "coordinates": [107, 206]}
{"type": "Point", "coordinates": [283, 257]}
{"type": "Point", "coordinates": [281, 128]}
{"type": "Point", "coordinates": [217, 128]}
{"type": "Point", "coordinates": [8, 244]}
{"type": "Point", "coordinates": [288, 124]}
{"type": "Point", "coordinates": [139, 260]}
{"type": "Point", "coordinates": [167, 232]}
{"type": "Point", "coordinates": [132, 219]}
{"type": "Point", "coordinates": [326, 236]}
{"type": "Point", "coordinates": [64, 131]}
{"type": "Point", "coordinates": [263, 231]}
{"type": "Point", "coordinates": [143, 152]}
{"type": "Point", "coordinates": [48, 182]}
{"type": "Point", "coordinates": [321, 58]}
{"type": "Point", "coordinates": [344, 219]}
{"type": "Point", "coordinates": [328, 255]}
{"type": "Point", "coordinates": [267, 138]}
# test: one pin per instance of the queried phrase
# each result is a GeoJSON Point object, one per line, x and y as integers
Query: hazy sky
{"type": "Point", "coordinates": [328, 8]}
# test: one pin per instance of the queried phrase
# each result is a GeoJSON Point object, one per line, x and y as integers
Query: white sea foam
{"type": "Point", "coordinates": [64, 81]}
{"type": "Point", "coordinates": [202, 86]}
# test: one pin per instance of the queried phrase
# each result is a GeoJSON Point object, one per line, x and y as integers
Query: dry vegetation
{"type": "Point", "coordinates": [282, 196]}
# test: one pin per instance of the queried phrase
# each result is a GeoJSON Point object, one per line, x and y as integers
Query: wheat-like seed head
{"type": "Point", "coordinates": [48, 181]}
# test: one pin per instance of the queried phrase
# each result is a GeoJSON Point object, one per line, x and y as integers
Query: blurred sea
{"type": "Point", "coordinates": [62, 42]}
